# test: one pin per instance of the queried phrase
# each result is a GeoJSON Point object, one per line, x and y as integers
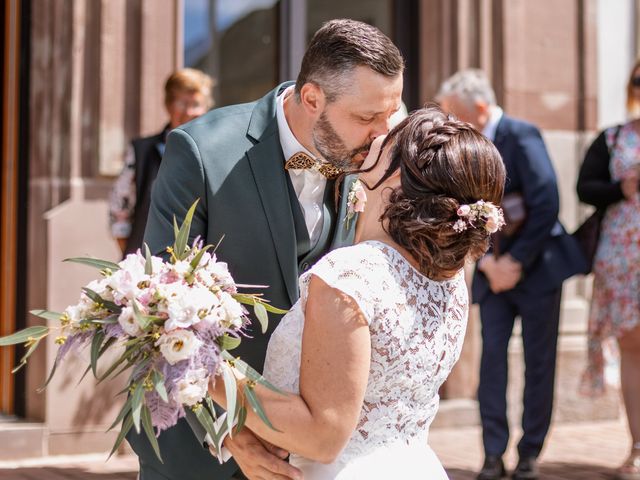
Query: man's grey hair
{"type": "Point", "coordinates": [469, 86]}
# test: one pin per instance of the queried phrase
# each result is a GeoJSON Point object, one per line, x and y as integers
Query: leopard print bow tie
{"type": "Point", "coordinates": [302, 161]}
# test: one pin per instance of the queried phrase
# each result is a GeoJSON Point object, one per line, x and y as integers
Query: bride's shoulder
{"type": "Point", "coordinates": [365, 253]}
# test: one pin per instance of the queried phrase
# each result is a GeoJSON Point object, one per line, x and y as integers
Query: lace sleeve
{"type": "Point", "coordinates": [348, 270]}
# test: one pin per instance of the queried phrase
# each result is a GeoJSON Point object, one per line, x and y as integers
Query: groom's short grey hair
{"type": "Point", "coordinates": [469, 86]}
{"type": "Point", "coordinates": [338, 48]}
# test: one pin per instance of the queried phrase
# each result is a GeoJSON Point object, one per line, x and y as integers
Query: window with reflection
{"type": "Point", "coordinates": [235, 41]}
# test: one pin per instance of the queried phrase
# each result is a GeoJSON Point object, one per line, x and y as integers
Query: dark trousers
{"type": "Point", "coordinates": [540, 318]}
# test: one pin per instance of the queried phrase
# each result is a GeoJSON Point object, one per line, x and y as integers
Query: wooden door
{"type": "Point", "coordinates": [10, 21]}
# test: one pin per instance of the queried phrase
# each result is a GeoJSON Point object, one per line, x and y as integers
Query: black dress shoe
{"type": "Point", "coordinates": [527, 469]}
{"type": "Point", "coordinates": [493, 468]}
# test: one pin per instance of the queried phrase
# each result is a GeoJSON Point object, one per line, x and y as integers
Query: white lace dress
{"type": "Point", "coordinates": [417, 328]}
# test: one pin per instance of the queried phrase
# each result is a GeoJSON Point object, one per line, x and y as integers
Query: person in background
{"type": "Point", "coordinates": [188, 94]}
{"type": "Point", "coordinates": [608, 180]}
{"type": "Point", "coordinates": [521, 276]}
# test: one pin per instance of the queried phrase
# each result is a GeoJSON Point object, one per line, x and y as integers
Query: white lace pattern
{"type": "Point", "coordinates": [417, 328]}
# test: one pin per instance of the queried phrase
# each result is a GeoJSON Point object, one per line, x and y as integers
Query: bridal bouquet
{"type": "Point", "coordinates": [172, 323]}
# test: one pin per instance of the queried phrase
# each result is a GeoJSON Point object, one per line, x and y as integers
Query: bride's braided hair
{"type": "Point", "coordinates": [443, 164]}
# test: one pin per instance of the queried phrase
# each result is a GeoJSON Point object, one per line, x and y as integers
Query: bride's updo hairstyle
{"type": "Point", "coordinates": [444, 164]}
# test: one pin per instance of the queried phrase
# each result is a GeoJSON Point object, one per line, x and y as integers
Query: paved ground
{"type": "Point", "coordinates": [582, 451]}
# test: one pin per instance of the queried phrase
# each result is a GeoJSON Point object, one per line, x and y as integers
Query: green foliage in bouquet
{"type": "Point", "coordinates": [176, 322]}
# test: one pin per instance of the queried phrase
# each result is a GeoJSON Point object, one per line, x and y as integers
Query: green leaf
{"type": "Point", "coordinates": [126, 426]}
{"type": "Point", "coordinates": [176, 230]}
{"type": "Point", "coordinates": [126, 408]}
{"type": "Point", "coordinates": [94, 262]}
{"type": "Point", "coordinates": [87, 370]}
{"type": "Point", "coordinates": [137, 399]}
{"type": "Point", "coordinates": [117, 363]}
{"type": "Point", "coordinates": [261, 315]}
{"type": "Point", "coordinates": [96, 343]}
{"type": "Point", "coordinates": [242, 418]}
{"type": "Point", "coordinates": [249, 372]}
{"type": "Point", "coordinates": [148, 429]}
{"type": "Point", "coordinates": [272, 309]}
{"type": "Point", "coordinates": [227, 342]}
{"type": "Point", "coordinates": [158, 382]}
{"type": "Point", "coordinates": [256, 406]}
{"type": "Point", "coordinates": [112, 307]}
{"type": "Point", "coordinates": [23, 336]}
{"type": "Point", "coordinates": [196, 260]}
{"type": "Point", "coordinates": [143, 320]}
{"type": "Point", "coordinates": [204, 417]}
{"type": "Point", "coordinates": [183, 235]}
{"type": "Point", "coordinates": [148, 265]}
{"type": "Point", "coordinates": [231, 390]}
{"type": "Point", "coordinates": [47, 315]}
{"type": "Point", "coordinates": [53, 370]}
{"type": "Point", "coordinates": [30, 350]}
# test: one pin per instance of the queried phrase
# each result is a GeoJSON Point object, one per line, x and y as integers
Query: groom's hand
{"type": "Point", "coordinates": [258, 459]}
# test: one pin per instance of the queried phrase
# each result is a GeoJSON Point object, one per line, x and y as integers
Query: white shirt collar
{"type": "Point", "coordinates": [495, 115]}
{"type": "Point", "coordinates": [288, 141]}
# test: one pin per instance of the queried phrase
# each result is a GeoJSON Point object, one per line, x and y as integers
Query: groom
{"type": "Point", "coordinates": [265, 175]}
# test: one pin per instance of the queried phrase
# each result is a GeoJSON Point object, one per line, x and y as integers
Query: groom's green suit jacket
{"type": "Point", "coordinates": [231, 160]}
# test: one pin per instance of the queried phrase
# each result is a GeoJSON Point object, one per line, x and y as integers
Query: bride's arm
{"type": "Point", "coordinates": [336, 354]}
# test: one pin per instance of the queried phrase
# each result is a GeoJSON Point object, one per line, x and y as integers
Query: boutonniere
{"type": "Point", "coordinates": [356, 201]}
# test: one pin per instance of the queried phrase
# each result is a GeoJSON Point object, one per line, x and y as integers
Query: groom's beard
{"type": "Point", "coordinates": [332, 148]}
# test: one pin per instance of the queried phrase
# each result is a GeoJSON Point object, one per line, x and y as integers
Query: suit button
{"type": "Point", "coordinates": [305, 266]}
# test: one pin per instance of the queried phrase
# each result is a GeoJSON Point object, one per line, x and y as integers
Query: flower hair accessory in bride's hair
{"type": "Point", "coordinates": [490, 217]}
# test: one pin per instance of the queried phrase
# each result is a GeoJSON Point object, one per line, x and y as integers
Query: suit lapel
{"type": "Point", "coordinates": [267, 166]}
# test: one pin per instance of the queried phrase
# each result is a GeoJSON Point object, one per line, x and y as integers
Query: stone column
{"type": "Point", "coordinates": [97, 75]}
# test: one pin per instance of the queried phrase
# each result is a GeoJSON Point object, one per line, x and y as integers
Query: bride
{"type": "Point", "coordinates": [379, 325]}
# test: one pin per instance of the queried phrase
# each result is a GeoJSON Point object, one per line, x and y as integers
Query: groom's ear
{"type": "Point", "coordinates": [312, 99]}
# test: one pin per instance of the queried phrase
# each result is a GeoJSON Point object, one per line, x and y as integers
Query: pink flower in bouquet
{"type": "Point", "coordinates": [128, 322]}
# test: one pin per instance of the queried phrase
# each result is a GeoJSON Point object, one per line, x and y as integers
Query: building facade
{"type": "Point", "coordinates": [81, 78]}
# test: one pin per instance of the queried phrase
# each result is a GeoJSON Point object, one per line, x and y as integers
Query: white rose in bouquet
{"type": "Point", "coordinates": [192, 388]}
{"type": "Point", "coordinates": [178, 345]}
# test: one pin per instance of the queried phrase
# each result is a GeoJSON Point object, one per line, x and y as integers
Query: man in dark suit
{"type": "Point", "coordinates": [265, 174]}
{"type": "Point", "coordinates": [522, 276]}
{"type": "Point", "coordinates": [187, 95]}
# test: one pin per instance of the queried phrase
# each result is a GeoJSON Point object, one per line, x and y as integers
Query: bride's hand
{"type": "Point", "coordinates": [260, 460]}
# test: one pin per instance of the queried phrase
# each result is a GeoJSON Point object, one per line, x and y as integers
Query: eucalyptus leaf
{"type": "Point", "coordinates": [231, 391]}
{"type": "Point", "coordinates": [183, 235]}
{"type": "Point", "coordinates": [126, 426]}
{"type": "Point", "coordinates": [261, 315]}
{"type": "Point", "coordinates": [176, 230]}
{"type": "Point", "coordinates": [227, 342]}
{"type": "Point", "coordinates": [196, 260]}
{"type": "Point", "coordinates": [137, 399]}
{"type": "Point", "coordinates": [249, 372]}
{"type": "Point", "coordinates": [94, 262]}
{"type": "Point", "coordinates": [47, 315]}
{"type": "Point", "coordinates": [142, 320]}
{"type": "Point", "coordinates": [30, 350]}
{"type": "Point", "coordinates": [96, 344]}
{"type": "Point", "coordinates": [242, 418]}
{"type": "Point", "coordinates": [109, 305]}
{"type": "Point", "coordinates": [147, 425]}
{"type": "Point", "coordinates": [53, 370]}
{"type": "Point", "coordinates": [272, 309]}
{"type": "Point", "coordinates": [256, 406]}
{"type": "Point", "coordinates": [23, 336]}
{"type": "Point", "coordinates": [126, 408]}
{"type": "Point", "coordinates": [158, 383]}
{"type": "Point", "coordinates": [148, 264]}
{"type": "Point", "coordinates": [205, 419]}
